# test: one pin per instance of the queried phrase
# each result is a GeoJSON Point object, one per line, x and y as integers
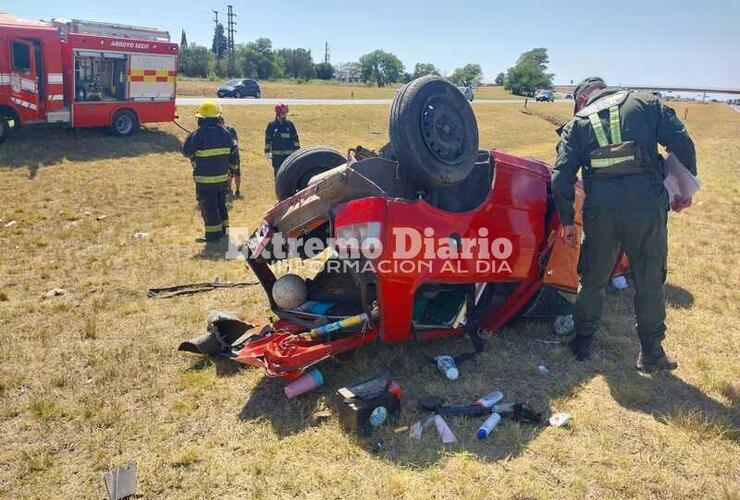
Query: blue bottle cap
{"type": "Point", "coordinates": [317, 377]}
{"type": "Point", "coordinates": [481, 434]}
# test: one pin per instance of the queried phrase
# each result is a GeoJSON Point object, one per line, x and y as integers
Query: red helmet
{"type": "Point", "coordinates": [281, 108]}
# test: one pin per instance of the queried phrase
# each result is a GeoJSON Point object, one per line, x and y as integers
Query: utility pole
{"type": "Point", "coordinates": [326, 53]}
{"type": "Point", "coordinates": [230, 29]}
{"type": "Point", "coordinates": [215, 19]}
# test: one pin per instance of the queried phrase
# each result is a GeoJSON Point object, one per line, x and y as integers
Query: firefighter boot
{"type": "Point", "coordinates": [653, 358]}
{"type": "Point", "coordinates": [580, 346]}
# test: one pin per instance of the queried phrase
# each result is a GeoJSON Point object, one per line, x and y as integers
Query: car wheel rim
{"type": "Point", "coordinates": [123, 124]}
{"type": "Point", "coordinates": [443, 129]}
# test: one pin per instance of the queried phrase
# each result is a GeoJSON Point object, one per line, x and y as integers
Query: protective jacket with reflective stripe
{"type": "Point", "coordinates": [281, 138]}
{"type": "Point", "coordinates": [643, 119]}
{"type": "Point", "coordinates": [211, 150]}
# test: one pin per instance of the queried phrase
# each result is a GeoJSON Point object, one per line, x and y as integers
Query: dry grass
{"type": "Point", "coordinates": [317, 89]}
{"type": "Point", "coordinates": [91, 378]}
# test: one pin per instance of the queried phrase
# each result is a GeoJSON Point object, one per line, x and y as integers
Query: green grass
{"type": "Point", "coordinates": [92, 378]}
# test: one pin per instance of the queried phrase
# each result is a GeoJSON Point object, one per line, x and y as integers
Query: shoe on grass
{"type": "Point", "coordinates": [663, 362]}
{"type": "Point", "coordinates": [580, 346]}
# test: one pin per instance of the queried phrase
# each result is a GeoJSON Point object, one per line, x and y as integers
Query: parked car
{"type": "Point", "coordinates": [569, 96]}
{"type": "Point", "coordinates": [467, 92]}
{"type": "Point", "coordinates": [431, 180]}
{"type": "Point", "coordinates": [545, 95]}
{"type": "Point", "coordinates": [240, 88]}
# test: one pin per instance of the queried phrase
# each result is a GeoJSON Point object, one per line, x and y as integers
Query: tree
{"type": "Point", "coordinates": [183, 40]}
{"type": "Point", "coordinates": [380, 67]}
{"type": "Point", "coordinates": [195, 61]}
{"type": "Point", "coordinates": [324, 71]}
{"type": "Point", "coordinates": [528, 74]}
{"type": "Point", "coordinates": [423, 69]}
{"type": "Point", "coordinates": [295, 63]}
{"type": "Point", "coordinates": [500, 79]}
{"type": "Point", "coordinates": [469, 75]}
{"type": "Point", "coordinates": [256, 59]}
{"type": "Point", "coordinates": [220, 42]}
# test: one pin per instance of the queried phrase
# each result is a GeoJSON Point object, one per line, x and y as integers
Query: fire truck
{"type": "Point", "coordinates": [84, 74]}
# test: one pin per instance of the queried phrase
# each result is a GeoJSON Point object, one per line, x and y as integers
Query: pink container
{"type": "Point", "coordinates": [308, 382]}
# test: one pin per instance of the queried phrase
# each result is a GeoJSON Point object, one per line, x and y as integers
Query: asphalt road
{"type": "Point", "coordinates": [736, 108]}
{"type": "Point", "coordinates": [195, 101]}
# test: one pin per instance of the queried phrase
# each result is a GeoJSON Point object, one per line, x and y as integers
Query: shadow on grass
{"type": "Point", "coordinates": [36, 147]}
{"type": "Point", "coordinates": [224, 367]}
{"type": "Point", "coordinates": [677, 297]}
{"type": "Point", "coordinates": [510, 364]}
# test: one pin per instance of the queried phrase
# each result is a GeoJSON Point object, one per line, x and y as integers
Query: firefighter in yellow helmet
{"type": "Point", "coordinates": [211, 151]}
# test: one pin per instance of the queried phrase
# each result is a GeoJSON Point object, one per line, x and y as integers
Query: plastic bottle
{"type": "Point", "coordinates": [491, 399]}
{"type": "Point", "coordinates": [491, 422]}
{"type": "Point", "coordinates": [444, 430]}
{"type": "Point", "coordinates": [446, 364]}
{"type": "Point", "coordinates": [308, 382]}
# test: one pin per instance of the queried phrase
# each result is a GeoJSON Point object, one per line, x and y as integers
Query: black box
{"type": "Point", "coordinates": [368, 404]}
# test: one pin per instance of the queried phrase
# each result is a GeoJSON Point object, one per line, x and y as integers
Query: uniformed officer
{"type": "Point", "coordinates": [235, 171]}
{"type": "Point", "coordinates": [614, 138]}
{"type": "Point", "coordinates": [281, 137]}
{"type": "Point", "coordinates": [211, 151]}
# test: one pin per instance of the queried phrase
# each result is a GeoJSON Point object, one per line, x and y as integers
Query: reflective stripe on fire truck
{"type": "Point", "coordinates": [25, 104]}
{"type": "Point", "coordinates": [55, 79]}
{"type": "Point", "coordinates": [4, 79]}
{"type": "Point", "coordinates": [56, 97]}
{"type": "Point", "coordinates": [151, 75]}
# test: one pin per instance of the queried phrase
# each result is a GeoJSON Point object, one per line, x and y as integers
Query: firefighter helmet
{"type": "Point", "coordinates": [289, 291]}
{"type": "Point", "coordinates": [281, 108]}
{"type": "Point", "coordinates": [208, 109]}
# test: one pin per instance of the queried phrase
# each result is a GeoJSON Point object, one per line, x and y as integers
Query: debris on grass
{"type": "Point", "coordinates": [120, 482]}
{"type": "Point", "coordinates": [563, 325]}
{"type": "Point", "coordinates": [543, 370]}
{"type": "Point", "coordinates": [141, 235]}
{"type": "Point", "coordinates": [10, 224]}
{"type": "Point", "coordinates": [101, 217]}
{"type": "Point", "coordinates": [55, 292]}
{"type": "Point", "coordinates": [560, 419]}
{"type": "Point", "coordinates": [620, 283]}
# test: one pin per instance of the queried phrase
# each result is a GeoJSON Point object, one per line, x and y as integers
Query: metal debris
{"type": "Point", "coordinates": [121, 481]}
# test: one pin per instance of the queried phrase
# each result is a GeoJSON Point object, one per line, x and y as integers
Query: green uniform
{"type": "Point", "coordinates": [614, 140]}
{"type": "Point", "coordinates": [281, 139]}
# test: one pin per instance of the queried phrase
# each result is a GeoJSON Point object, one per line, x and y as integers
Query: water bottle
{"type": "Point", "coordinates": [491, 399]}
{"type": "Point", "coordinates": [446, 364]}
{"type": "Point", "coordinates": [488, 426]}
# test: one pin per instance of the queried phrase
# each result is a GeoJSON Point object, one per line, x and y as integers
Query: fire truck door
{"type": "Point", "coordinates": [24, 78]}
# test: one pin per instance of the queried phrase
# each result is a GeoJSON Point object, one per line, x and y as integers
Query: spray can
{"type": "Point", "coordinates": [488, 426]}
{"type": "Point", "coordinates": [491, 399]}
{"type": "Point", "coordinates": [446, 364]}
{"type": "Point", "coordinates": [308, 382]}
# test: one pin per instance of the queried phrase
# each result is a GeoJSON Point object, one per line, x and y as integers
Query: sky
{"type": "Point", "coordinates": [628, 42]}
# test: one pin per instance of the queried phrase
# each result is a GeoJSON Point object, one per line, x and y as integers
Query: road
{"type": "Point", "coordinates": [736, 108]}
{"type": "Point", "coordinates": [195, 101]}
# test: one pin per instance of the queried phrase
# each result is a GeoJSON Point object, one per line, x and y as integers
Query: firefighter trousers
{"type": "Point", "coordinates": [643, 233]}
{"type": "Point", "coordinates": [277, 160]}
{"type": "Point", "coordinates": [214, 212]}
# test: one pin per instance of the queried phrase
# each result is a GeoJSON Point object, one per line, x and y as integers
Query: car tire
{"type": "Point", "coordinates": [124, 123]}
{"type": "Point", "coordinates": [298, 168]}
{"type": "Point", "coordinates": [258, 95]}
{"type": "Point", "coordinates": [238, 94]}
{"type": "Point", "coordinates": [433, 132]}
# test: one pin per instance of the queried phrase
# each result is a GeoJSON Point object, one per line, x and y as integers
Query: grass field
{"type": "Point", "coordinates": [317, 89]}
{"type": "Point", "coordinates": [91, 379]}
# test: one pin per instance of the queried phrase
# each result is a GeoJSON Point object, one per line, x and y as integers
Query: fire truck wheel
{"type": "Point", "coordinates": [434, 132]}
{"type": "Point", "coordinates": [124, 123]}
{"type": "Point", "coordinates": [301, 165]}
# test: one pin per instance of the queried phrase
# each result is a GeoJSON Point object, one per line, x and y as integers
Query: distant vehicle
{"type": "Point", "coordinates": [546, 95]}
{"type": "Point", "coordinates": [569, 96]}
{"type": "Point", "coordinates": [467, 92]}
{"type": "Point", "coordinates": [240, 88]}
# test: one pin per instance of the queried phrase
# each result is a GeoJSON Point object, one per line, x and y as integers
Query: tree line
{"type": "Point", "coordinates": [261, 61]}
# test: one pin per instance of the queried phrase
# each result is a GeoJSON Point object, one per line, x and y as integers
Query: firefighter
{"type": "Point", "coordinates": [212, 151]}
{"type": "Point", "coordinates": [281, 137]}
{"type": "Point", "coordinates": [235, 171]}
{"type": "Point", "coordinates": [614, 138]}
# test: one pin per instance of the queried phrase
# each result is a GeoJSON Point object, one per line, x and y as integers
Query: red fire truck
{"type": "Point", "coordinates": [85, 74]}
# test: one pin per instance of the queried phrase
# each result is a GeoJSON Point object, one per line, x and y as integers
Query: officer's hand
{"type": "Point", "coordinates": [570, 234]}
{"type": "Point", "coordinates": [679, 205]}
{"type": "Point", "coordinates": [268, 156]}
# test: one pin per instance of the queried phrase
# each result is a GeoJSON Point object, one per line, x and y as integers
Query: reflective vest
{"type": "Point", "coordinates": [615, 157]}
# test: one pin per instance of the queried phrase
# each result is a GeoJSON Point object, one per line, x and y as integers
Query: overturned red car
{"type": "Point", "coordinates": [430, 237]}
